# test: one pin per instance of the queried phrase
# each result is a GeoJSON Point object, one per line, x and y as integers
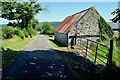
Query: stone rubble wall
{"type": "Point", "coordinates": [88, 25]}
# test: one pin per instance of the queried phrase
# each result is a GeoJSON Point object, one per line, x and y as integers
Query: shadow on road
{"type": "Point", "coordinates": [52, 64]}
{"type": "Point", "coordinates": [84, 69]}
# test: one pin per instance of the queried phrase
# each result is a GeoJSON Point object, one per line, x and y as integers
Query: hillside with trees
{"type": "Point", "coordinates": [54, 24]}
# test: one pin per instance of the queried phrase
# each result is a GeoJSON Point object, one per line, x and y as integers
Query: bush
{"type": "Point", "coordinates": [50, 32]}
{"type": "Point", "coordinates": [25, 32]}
{"type": "Point", "coordinates": [16, 31]}
{"type": "Point", "coordinates": [31, 32]}
{"type": "Point", "coordinates": [21, 35]}
{"type": "Point", "coordinates": [7, 32]}
{"type": "Point", "coordinates": [39, 29]}
{"type": "Point", "coordinates": [34, 32]}
{"type": "Point", "coordinates": [3, 36]}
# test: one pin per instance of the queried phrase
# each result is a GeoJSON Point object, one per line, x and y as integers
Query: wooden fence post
{"type": "Point", "coordinates": [96, 53]}
{"type": "Point", "coordinates": [75, 39]}
{"type": "Point", "coordinates": [86, 48]}
{"type": "Point", "coordinates": [110, 53]}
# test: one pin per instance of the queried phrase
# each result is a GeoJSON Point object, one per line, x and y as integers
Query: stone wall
{"type": "Point", "coordinates": [72, 32]}
{"type": "Point", "coordinates": [62, 38]}
{"type": "Point", "coordinates": [88, 25]}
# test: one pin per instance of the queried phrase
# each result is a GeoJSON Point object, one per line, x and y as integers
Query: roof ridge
{"type": "Point", "coordinates": [69, 21]}
{"type": "Point", "coordinates": [79, 12]}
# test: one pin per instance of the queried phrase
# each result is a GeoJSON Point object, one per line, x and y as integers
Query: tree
{"type": "Point", "coordinates": [39, 29]}
{"type": "Point", "coordinates": [117, 17]}
{"type": "Point", "coordinates": [46, 28]}
{"type": "Point", "coordinates": [34, 23]}
{"type": "Point", "coordinates": [22, 12]}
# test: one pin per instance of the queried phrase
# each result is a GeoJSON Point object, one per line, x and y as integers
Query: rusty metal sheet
{"type": "Point", "coordinates": [69, 22]}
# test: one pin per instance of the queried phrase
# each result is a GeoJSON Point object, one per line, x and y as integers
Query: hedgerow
{"type": "Point", "coordinates": [8, 32]}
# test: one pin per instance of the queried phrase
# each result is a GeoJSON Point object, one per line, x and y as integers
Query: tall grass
{"type": "Point", "coordinates": [116, 50]}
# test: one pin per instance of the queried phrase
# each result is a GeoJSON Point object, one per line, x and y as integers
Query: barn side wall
{"type": "Point", "coordinates": [88, 25]}
{"type": "Point", "coordinates": [62, 38]}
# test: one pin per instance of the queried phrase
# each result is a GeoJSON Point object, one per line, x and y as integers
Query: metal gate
{"type": "Point", "coordinates": [92, 50]}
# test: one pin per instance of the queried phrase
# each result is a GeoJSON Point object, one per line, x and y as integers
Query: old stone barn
{"type": "Point", "coordinates": [84, 23]}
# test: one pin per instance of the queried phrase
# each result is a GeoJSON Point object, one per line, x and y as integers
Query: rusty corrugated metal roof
{"type": "Point", "coordinates": [69, 22]}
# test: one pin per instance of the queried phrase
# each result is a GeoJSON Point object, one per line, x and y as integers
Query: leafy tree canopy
{"type": "Point", "coordinates": [22, 12]}
{"type": "Point", "coordinates": [47, 28]}
{"type": "Point", "coordinates": [34, 22]}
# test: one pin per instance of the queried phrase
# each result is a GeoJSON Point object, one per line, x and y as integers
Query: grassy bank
{"type": "Point", "coordinates": [49, 36]}
{"type": "Point", "coordinates": [16, 43]}
{"type": "Point", "coordinates": [11, 47]}
{"type": "Point", "coordinates": [57, 45]}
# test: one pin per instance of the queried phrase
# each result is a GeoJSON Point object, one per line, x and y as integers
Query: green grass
{"type": "Point", "coordinates": [116, 52]}
{"type": "Point", "coordinates": [56, 44]}
{"type": "Point", "coordinates": [101, 54]}
{"type": "Point", "coordinates": [16, 43]}
{"type": "Point", "coordinates": [12, 47]}
{"type": "Point", "coordinates": [48, 36]}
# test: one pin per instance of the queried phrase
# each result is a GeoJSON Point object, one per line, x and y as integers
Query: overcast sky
{"type": "Point", "coordinates": [57, 11]}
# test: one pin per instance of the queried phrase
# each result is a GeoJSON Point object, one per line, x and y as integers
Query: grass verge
{"type": "Point", "coordinates": [57, 45]}
{"type": "Point", "coordinates": [11, 47]}
{"type": "Point", "coordinates": [49, 36]}
{"type": "Point", "coordinates": [16, 43]}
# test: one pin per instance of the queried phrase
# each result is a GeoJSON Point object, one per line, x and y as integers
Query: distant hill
{"type": "Point", "coordinates": [54, 24]}
{"type": "Point", "coordinates": [2, 25]}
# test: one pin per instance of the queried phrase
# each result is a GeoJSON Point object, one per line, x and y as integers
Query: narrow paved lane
{"type": "Point", "coordinates": [38, 60]}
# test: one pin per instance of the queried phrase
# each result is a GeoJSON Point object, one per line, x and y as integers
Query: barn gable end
{"type": "Point", "coordinates": [88, 25]}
